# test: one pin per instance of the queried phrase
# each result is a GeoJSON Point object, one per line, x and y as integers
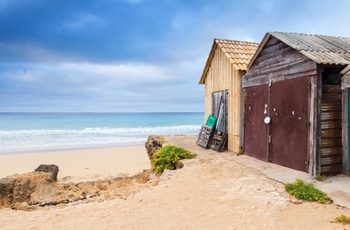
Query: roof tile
{"type": "Point", "coordinates": [238, 53]}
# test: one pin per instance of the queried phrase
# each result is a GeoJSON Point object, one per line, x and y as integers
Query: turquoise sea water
{"type": "Point", "coordinates": [28, 132]}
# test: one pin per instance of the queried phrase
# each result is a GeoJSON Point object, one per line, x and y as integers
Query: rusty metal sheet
{"type": "Point", "coordinates": [255, 130]}
{"type": "Point", "coordinates": [289, 128]}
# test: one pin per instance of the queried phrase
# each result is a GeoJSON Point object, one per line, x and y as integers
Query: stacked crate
{"type": "Point", "coordinates": [205, 136]}
{"type": "Point", "coordinates": [206, 132]}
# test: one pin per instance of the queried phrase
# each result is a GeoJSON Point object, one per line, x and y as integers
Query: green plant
{"type": "Point", "coordinates": [308, 192]}
{"type": "Point", "coordinates": [240, 152]}
{"type": "Point", "coordinates": [168, 157]}
{"type": "Point", "coordinates": [342, 219]}
{"type": "Point", "coordinates": [319, 177]}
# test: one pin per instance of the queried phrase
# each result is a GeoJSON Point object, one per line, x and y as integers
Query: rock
{"type": "Point", "coordinates": [53, 169]}
{"type": "Point", "coordinates": [24, 206]}
{"type": "Point", "coordinates": [153, 144]}
{"type": "Point", "coordinates": [27, 187]}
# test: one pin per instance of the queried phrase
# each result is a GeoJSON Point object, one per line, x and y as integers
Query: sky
{"type": "Point", "coordinates": [134, 55]}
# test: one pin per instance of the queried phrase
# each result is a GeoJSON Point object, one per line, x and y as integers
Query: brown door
{"type": "Point", "coordinates": [255, 130]}
{"type": "Point", "coordinates": [289, 128]}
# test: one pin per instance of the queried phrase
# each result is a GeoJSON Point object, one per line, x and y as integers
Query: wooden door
{"type": "Point", "coordinates": [289, 128]}
{"type": "Point", "coordinates": [284, 141]}
{"type": "Point", "coordinates": [255, 130]}
{"type": "Point", "coordinates": [220, 101]}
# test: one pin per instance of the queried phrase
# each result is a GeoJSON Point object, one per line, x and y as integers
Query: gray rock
{"type": "Point", "coordinates": [53, 169]}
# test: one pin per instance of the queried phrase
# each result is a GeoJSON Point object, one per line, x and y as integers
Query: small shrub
{"type": "Point", "coordinates": [168, 157]}
{"type": "Point", "coordinates": [319, 177]}
{"type": "Point", "coordinates": [342, 219]}
{"type": "Point", "coordinates": [308, 192]}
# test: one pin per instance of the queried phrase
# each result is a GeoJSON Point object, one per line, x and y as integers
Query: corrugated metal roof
{"type": "Point", "coordinates": [321, 49]}
{"type": "Point", "coordinates": [238, 53]}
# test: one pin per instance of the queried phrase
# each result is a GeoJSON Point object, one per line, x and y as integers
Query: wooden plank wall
{"type": "Point", "coordinates": [222, 76]}
{"type": "Point", "coordinates": [331, 130]}
{"type": "Point", "coordinates": [278, 61]}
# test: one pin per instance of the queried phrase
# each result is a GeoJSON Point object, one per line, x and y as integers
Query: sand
{"type": "Point", "coordinates": [211, 191]}
{"type": "Point", "coordinates": [80, 165]}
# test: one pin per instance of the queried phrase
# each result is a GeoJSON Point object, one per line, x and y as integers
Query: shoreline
{"type": "Point", "coordinates": [80, 164]}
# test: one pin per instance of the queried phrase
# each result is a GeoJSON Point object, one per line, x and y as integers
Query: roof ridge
{"type": "Point", "coordinates": [240, 41]}
{"type": "Point", "coordinates": [305, 34]}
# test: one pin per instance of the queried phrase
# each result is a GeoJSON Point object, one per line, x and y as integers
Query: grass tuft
{"type": "Point", "coordinates": [168, 157]}
{"type": "Point", "coordinates": [319, 177]}
{"type": "Point", "coordinates": [342, 219]}
{"type": "Point", "coordinates": [308, 192]}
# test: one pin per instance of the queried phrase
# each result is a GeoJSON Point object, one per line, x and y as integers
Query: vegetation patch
{"type": "Point", "coordinates": [319, 177]}
{"type": "Point", "coordinates": [342, 219]}
{"type": "Point", "coordinates": [168, 157]}
{"type": "Point", "coordinates": [308, 192]}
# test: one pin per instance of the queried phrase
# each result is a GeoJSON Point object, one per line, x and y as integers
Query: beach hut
{"type": "Point", "coordinates": [222, 76]}
{"type": "Point", "coordinates": [294, 104]}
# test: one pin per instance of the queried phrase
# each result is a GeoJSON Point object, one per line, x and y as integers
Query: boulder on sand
{"type": "Point", "coordinates": [53, 169]}
{"type": "Point", "coordinates": [27, 187]}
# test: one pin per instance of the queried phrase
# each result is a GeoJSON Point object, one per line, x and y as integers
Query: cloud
{"type": "Point", "coordinates": [97, 85]}
{"type": "Point", "coordinates": [81, 22]}
{"type": "Point", "coordinates": [133, 55]}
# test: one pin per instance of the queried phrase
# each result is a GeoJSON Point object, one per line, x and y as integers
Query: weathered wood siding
{"type": "Point", "coordinates": [331, 129]}
{"type": "Point", "coordinates": [222, 76]}
{"type": "Point", "coordinates": [278, 62]}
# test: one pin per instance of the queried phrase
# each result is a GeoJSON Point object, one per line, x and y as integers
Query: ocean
{"type": "Point", "coordinates": [30, 132]}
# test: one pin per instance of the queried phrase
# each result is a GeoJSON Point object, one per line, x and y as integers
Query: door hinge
{"type": "Point", "coordinates": [270, 139]}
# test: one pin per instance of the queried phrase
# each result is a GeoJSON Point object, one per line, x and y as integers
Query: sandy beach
{"type": "Point", "coordinates": [212, 191]}
{"type": "Point", "coordinates": [80, 165]}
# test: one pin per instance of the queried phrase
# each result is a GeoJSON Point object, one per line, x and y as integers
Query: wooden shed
{"type": "Point", "coordinates": [222, 75]}
{"type": "Point", "coordinates": [293, 102]}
